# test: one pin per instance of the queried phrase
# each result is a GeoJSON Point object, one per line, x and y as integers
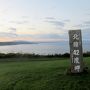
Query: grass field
{"type": "Point", "coordinates": [46, 74]}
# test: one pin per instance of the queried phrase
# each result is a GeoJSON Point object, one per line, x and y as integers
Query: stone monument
{"type": "Point", "coordinates": [76, 53]}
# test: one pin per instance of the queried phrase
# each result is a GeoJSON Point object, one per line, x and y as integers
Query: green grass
{"type": "Point", "coordinates": [46, 74]}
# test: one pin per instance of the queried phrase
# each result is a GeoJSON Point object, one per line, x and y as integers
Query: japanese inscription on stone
{"type": "Point", "coordinates": [76, 56]}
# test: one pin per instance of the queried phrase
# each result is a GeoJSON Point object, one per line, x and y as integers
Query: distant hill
{"type": "Point", "coordinates": [16, 43]}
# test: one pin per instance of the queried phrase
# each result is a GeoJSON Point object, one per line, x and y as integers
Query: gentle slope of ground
{"type": "Point", "coordinates": [41, 75]}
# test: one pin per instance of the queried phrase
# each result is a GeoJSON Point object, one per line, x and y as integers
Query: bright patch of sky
{"type": "Point", "coordinates": [43, 20]}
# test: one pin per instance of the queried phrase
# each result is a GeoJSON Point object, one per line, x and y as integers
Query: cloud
{"type": "Point", "coordinates": [88, 14]}
{"type": "Point", "coordinates": [87, 22]}
{"type": "Point", "coordinates": [56, 22]}
{"type": "Point", "coordinates": [12, 29]}
{"type": "Point", "coordinates": [11, 33]}
{"type": "Point", "coordinates": [25, 35]}
{"type": "Point", "coordinates": [78, 25]}
{"type": "Point", "coordinates": [86, 30]}
{"type": "Point", "coordinates": [67, 20]}
{"type": "Point", "coordinates": [50, 18]}
{"type": "Point", "coordinates": [20, 22]}
{"type": "Point", "coordinates": [44, 36]}
{"type": "Point", "coordinates": [25, 17]}
{"type": "Point", "coordinates": [7, 34]}
{"type": "Point", "coordinates": [54, 18]}
{"type": "Point", "coordinates": [32, 28]}
{"type": "Point", "coordinates": [50, 36]}
{"type": "Point", "coordinates": [86, 33]}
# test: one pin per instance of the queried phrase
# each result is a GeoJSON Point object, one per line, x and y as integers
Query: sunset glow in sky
{"type": "Point", "coordinates": [43, 20]}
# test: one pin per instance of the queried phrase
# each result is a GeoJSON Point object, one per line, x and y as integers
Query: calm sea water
{"type": "Point", "coordinates": [41, 48]}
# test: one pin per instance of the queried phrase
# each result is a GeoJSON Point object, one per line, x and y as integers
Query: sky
{"type": "Point", "coordinates": [43, 20]}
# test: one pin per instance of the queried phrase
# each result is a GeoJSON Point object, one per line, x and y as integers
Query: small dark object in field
{"type": "Point", "coordinates": [85, 70]}
{"type": "Point", "coordinates": [68, 71]}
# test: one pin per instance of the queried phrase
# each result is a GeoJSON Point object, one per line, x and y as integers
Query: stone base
{"type": "Point", "coordinates": [85, 71]}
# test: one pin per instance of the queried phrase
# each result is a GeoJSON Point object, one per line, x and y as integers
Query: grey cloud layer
{"type": "Point", "coordinates": [5, 34]}
{"type": "Point", "coordinates": [13, 29]}
{"type": "Point", "coordinates": [20, 22]}
{"type": "Point", "coordinates": [54, 21]}
{"type": "Point", "coordinates": [11, 33]}
{"type": "Point", "coordinates": [57, 23]}
{"type": "Point", "coordinates": [44, 36]}
{"type": "Point", "coordinates": [83, 24]}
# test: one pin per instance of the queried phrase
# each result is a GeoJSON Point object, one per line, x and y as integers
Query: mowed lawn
{"type": "Point", "coordinates": [41, 74]}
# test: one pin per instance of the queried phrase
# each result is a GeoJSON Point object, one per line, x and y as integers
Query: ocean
{"type": "Point", "coordinates": [42, 48]}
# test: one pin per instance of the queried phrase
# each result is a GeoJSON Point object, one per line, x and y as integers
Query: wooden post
{"type": "Point", "coordinates": [76, 55]}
